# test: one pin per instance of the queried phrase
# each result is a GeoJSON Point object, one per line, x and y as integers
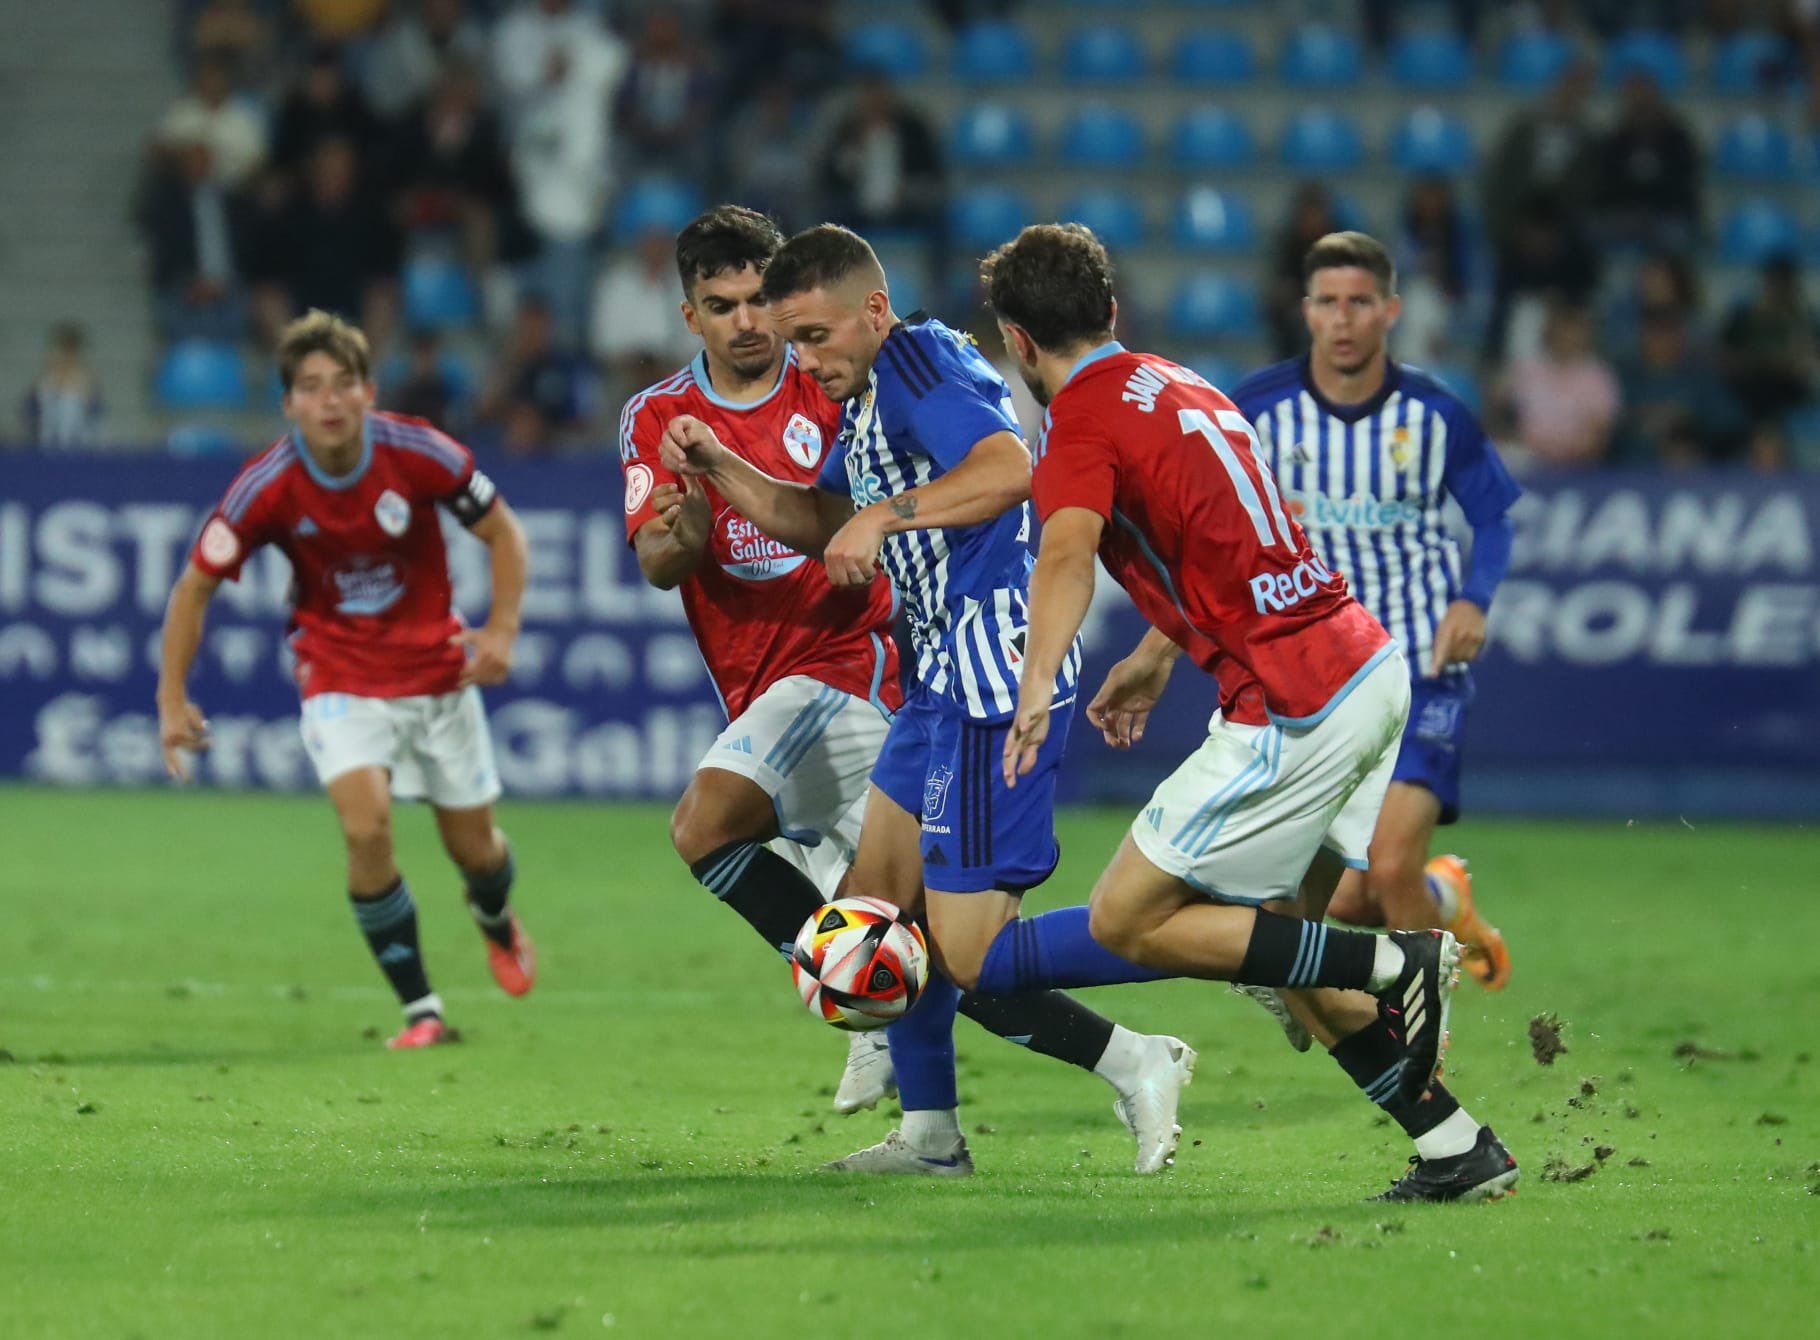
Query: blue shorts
{"type": "Point", "coordinates": [977, 835]}
{"type": "Point", "coordinates": [1430, 756]}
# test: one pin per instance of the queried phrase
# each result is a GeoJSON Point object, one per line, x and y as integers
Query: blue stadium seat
{"type": "Point", "coordinates": [1215, 56]}
{"type": "Point", "coordinates": [987, 215]}
{"type": "Point", "coordinates": [193, 440]}
{"type": "Point", "coordinates": [201, 374]}
{"type": "Point", "coordinates": [1533, 60]}
{"type": "Point", "coordinates": [438, 295]}
{"type": "Point", "coordinates": [1103, 53]}
{"type": "Point", "coordinates": [1102, 136]}
{"type": "Point", "coordinates": [889, 48]}
{"type": "Point", "coordinates": [992, 133]}
{"type": "Point", "coordinates": [1319, 139]}
{"type": "Point", "coordinates": [1429, 140]}
{"type": "Point", "coordinates": [1740, 62]}
{"type": "Point", "coordinates": [1212, 305]}
{"type": "Point", "coordinates": [656, 203]}
{"type": "Point", "coordinates": [1318, 56]}
{"type": "Point", "coordinates": [1462, 381]}
{"type": "Point", "coordinates": [1653, 53]}
{"type": "Point", "coordinates": [1222, 373]}
{"type": "Point", "coordinates": [1435, 59]}
{"type": "Point", "coordinates": [1756, 230]}
{"type": "Point", "coordinates": [993, 53]}
{"type": "Point", "coordinates": [1210, 136]}
{"type": "Point", "coordinates": [1210, 220]}
{"type": "Point", "coordinates": [1754, 148]}
{"type": "Point", "coordinates": [1116, 218]}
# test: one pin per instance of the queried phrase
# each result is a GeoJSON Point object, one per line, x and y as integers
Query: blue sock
{"type": "Point", "coordinates": [1055, 950]}
{"type": "Point", "coordinates": [922, 1049]}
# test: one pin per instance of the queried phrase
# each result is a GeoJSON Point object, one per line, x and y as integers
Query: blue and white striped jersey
{"type": "Point", "coordinates": [929, 398]}
{"type": "Point", "coordinates": [1369, 482]}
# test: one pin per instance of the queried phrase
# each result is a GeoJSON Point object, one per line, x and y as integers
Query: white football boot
{"type": "Point", "coordinates": [1272, 1000]}
{"type": "Point", "coordinates": [1148, 1108]}
{"type": "Point", "coordinates": [893, 1156]}
{"type": "Point", "coordinates": [868, 1076]}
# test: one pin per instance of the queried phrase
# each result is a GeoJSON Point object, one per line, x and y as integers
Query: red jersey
{"type": "Point", "coordinates": [1197, 533]}
{"type": "Point", "coordinates": [370, 586]}
{"type": "Point", "coordinates": [759, 611]}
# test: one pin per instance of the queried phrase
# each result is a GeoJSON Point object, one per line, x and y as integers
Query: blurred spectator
{"type": "Point", "coordinates": [1770, 352]}
{"type": "Point", "coordinates": [321, 105]}
{"type": "Point", "coordinates": [1379, 19]}
{"type": "Point", "coordinates": [425, 390]}
{"type": "Point", "coordinates": [1549, 150]}
{"type": "Point", "coordinates": [1434, 266]}
{"type": "Point", "coordinates": [336, 249]}
{"type": "Point", "coordinates": [1649, 173]}
{"type": "Point", "coordinates": [882, 166]}
{"type": "Point", "coordinates": [197, 232]}
{"type": "Point", "coordinates": [559, 69]}
{"type": "Point", "coordinates": [450, 170]}
{"type": "Point", "coordinates": [416, 49]}
{"type": "Point", "coordinates": [1664, 286]}
{"type": "Point", "coordinates": [1562, 404]}
{"type": "Point", "coordinates": [63, 406]}
{"type": "Point", "coordinates": [767, 159]}
{"type": "Point", "coordinates": [535, 392]}
{"type": "Point", "coordinates": [1545, 254]}
{"type": "Point", "coordinates": [234, 35]}
{"type": "Point", "coordinates": [958, 14]}
{"type": "Point", "coordinates": [338, 20]}
{"type": "Point", "coordinates": [208, 115]}
{"type": "Point", "coordinates": [665, 100]}
{"type": "Point", "coordinates": [1609, 18]}
{"type": "Point", "coordinates": [1311, 217]}
{"type": "Point", "coordinates": [1676, 409]}
{"type": "Point", "coordinates": [638, 334]}
{"type": "Point", "coordinates": [780, 39]}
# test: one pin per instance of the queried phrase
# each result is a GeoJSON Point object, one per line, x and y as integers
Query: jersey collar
{"type": "Point", "coordinates": [323, 477]}
{"type": "Point", "coordinates": [1092, 356]}
{"type": "Point", "coordinates": [698, 370]}
{"type": "Point", "coordinates": [1351, 413]}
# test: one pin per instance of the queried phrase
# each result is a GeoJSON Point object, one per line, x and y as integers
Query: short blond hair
{"type": "Point", "coordinates": [320, 332]}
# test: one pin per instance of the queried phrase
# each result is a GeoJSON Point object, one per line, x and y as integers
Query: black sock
{"type": "Point", "coordinates": [772, 895]}
{"type": "Point", "coordinates": [389, 921]}
{"type": "Point", "coordinates": [1288, 951]}
{"type": "Point", "coordinates": [487, 892]}
{"type": "Point", "coordinates": [1051, 1022]}
{"type": "Point", "coordinates": [1374, 1058]}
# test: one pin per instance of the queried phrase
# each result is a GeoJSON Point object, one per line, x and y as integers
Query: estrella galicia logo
{"type": "Point", "coordinates": [935, 793]}
{"type": "Point", "coordinates": [392, 513]}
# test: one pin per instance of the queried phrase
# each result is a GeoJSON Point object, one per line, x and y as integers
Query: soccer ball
{"type": "Point", "coordinates": [859, 963]}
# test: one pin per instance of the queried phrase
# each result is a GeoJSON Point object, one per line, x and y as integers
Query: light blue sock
{"type": "Point", "coordinates": [1055, 950]}
{"type": "Point", "coordinates": [922, 1049]}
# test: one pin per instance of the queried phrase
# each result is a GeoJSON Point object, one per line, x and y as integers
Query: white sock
{"type": "Point", "coordinates": [1386, 964]}
{"type": "Point", "coordinates": [933, 1131]}
{"type": "Point", "coordinates": [1446, 897]}
{"type": "Point", "coordinates": [1451, 1138]}
{"type": "Point", "coordinates": [416, 1009]}
{"type": "Point", "coordinates": [1126, 1056]}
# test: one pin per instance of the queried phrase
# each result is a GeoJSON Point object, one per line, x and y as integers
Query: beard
{"type": "Point", "coordinates": [1034, 384]}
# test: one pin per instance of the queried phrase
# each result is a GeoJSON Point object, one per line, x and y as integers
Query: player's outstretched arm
{"type": "Point", "coordinates": [181, 724]}
{"type": "Point", "coordinates": [1133, 686]}
{"type": "Point", "coordinates": [798, 515]}
{"type": "Point", "coordinates": [490, 646]}
{"type": "Point", "coordinates": [1061, 589]}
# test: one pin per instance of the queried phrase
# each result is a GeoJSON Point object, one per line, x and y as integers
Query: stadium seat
{"type": "Point", "coordinates": [1754, 148]}
{"type": "Point", "coordinates": [1116, 219]}
{"type": "Point", "coordinates": [193, 440]}
{"type": "Point", "coordinates": [1210, 220]}
{"type": "Point", "coordinates": [1533, 60]}
{"type": "Point", "coordinates": [987, 215]}
{"type": "Point", "coordinates": [991, 133]}
{"type": "Point", "coordinates": [1210, 136]}
{"type": "Point", "coordinates": [889, 48]}
{"type": "Point", "coordinates": [1653, 53]}
{"type": "Point", "coordinates": [201, 374]}
{"type": "Point", "coordinates": [1429, 140]}
{"type": "Point", "coordinates": [1215, 56]}
{"type": "Point", "coordinates": [1103, 53]}
{"type": "Point", "coordinates": [438, 295]}
{"type": "Point", "coordinates": [1319, 139]}
{"type": "Point", "coordinates": [1221, 373]}
{"type": "Point", "coordinates": [1462, 381]}
{"type": "Point", "coordinates": [656, 203]}
{"type": "Point", "coordinates": [1212, 305]}
{"type": "Point", "coordinates": [1102, 136]}
{"type": "Point", "coordinates": [1317, 56]}
{"type": "Point", "coordinates": [993, 53]}
{"type": "Point", "coordinates": [1756, 230]}
{"type": "Point", "coordinates": [1435, 59]}
{"type": "Point", "coordinates": [1741, 60]}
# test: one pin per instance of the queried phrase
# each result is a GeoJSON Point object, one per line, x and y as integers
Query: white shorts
{"type": "Point", "coordinates": [436, 746]}
{"type": "Point", "coordinates": [810, 747]}
{"type": "Point", "coordinates": [1245, 814]}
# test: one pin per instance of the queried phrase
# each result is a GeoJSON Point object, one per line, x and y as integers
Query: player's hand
{"type": "Point", "coordinates": [689, 447]}
{"type": "Point", "coordinates": [489, 652]}
{"type": "Point", "coordinates": [685, 512]}
{"type": "Point", "coordinates": [1029, 728]}
{"type": "Point", "coordinates": [852, 555]}
{"type": "Point", "coordinates": [1459, 638]}
{"type": "Point", "coordinates": [1123, 704]}
{"type": "Point", "coordinates": [181, 726]}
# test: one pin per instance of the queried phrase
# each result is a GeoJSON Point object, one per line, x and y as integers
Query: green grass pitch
{"type": "Point", "coordinates": [200, 1133]}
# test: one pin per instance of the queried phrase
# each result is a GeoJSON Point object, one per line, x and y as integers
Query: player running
{"type": "Point", "coordinates": [1145, 464]}
{"type": "Point", "coordinates": [807, 671]}
{"type": "Point", "coordinates": [1368, 450]}
{"type": "Point", "coordinates": [388, 675]}
{"type": "Point", "coordinates": [929, 480]}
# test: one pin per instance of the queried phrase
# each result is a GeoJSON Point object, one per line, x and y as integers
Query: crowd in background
{"type": "Point", "coordinates": [322, 142]}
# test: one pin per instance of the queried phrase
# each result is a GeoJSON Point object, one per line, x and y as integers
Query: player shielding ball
{"type": "Point", "coordinates": [1144, 464]}
{"type": "Point", "coordinates": [388, 674]}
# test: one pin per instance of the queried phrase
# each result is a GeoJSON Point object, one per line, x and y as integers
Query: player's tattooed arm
{"type": "Point", "coordinates": [990, 480]}
{"type": "Point", "coordinates": [904, 506]}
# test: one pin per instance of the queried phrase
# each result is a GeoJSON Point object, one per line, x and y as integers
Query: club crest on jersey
{"type": "Point", "coordinates": [803, 440]}
{"type": "Point", "coordinates": [392, 513]}
{"type": "Point", "coordinates": [935, 793]}
{"type": "Point", "coordinates": [1401, 451]}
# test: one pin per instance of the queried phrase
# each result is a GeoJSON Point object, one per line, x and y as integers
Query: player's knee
{"type": "Point", "coordinates": [478, 853]}
{"type": "Point", "coordinates": [368, 835]}
{"type": "Point", "coordinates": [1114, 928]}
{"type": "Point", "coordinates": [1393, 870]}
{"type": "Point", "coordinates": [696, 830]}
